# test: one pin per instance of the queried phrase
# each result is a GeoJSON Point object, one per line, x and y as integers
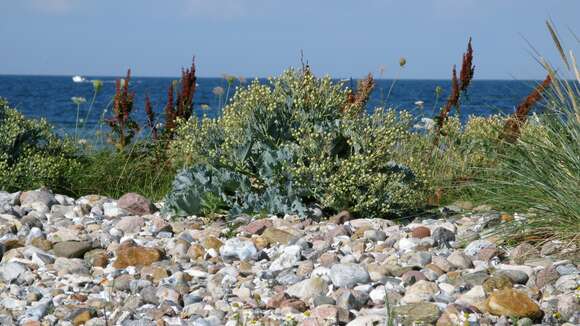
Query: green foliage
{"type": "Point", "coordinates": [290, 144]}
{"type": "Point", "coordinates": [31, 154]}
{"type": "Point", "coordinates": [139, 168]}
{"type": "Point", "coordinates": [204, 189]}
{"type": "Point", "coordinates": [539, 175]}
{"type": "Point", "coordinates": [462, 156]}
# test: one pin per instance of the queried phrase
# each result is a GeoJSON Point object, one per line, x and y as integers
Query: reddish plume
{"type": "Point", "coordinates": [121, 123]}
{"type": "Point", "coordinates": [515, 122]}
{"type": "Point", "coordinates": [357, 101]}
{"type": "Point", "coordinates": [457, 87]}
{"type": "Point", "coordinates": [467, 68]}
{"type": "Point", "coordinates": [170, 113]}
{"type": "Point", "coordinates": [182, 106]}
{"type": "Point", "coordinates": [150, 117]}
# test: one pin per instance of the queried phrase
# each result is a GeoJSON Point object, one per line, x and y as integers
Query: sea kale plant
{"type": "Point", "coordinates": [292, 142]}
{"type": "Point", "coordinates": [31, 154]}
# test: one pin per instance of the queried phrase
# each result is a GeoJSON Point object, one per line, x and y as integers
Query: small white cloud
{"type": "Point", "coordinates": [52, 6]}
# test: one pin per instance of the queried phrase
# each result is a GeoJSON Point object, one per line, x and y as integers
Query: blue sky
{"type": "Point", "coordinates": [263, 37]}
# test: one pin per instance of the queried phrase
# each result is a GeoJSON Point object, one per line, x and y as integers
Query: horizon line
{"type": "Point", "coordinates": [254, 77]}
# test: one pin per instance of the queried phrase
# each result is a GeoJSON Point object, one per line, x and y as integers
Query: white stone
{"type": "Point", "coordinates": [290, 256]}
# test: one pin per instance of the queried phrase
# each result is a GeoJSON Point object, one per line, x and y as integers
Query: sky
{"type": "Point", "coordinates": [260, 38]}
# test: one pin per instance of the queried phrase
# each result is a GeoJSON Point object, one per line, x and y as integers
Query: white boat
{"type": "Point", "coordinates": [78, 79]}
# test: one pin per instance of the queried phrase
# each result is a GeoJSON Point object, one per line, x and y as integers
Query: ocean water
{"type": "Point", "coordinates": [50, 97]}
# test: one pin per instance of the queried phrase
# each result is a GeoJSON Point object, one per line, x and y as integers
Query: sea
{"type": "Point", "coordinates": [50, 97]}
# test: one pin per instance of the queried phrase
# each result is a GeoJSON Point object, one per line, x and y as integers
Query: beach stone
{"type": "Point", "coordinates": [516, 276]}
{"type": "Point", "coordinates": [111, 210]}
{"type": "Point", "coordinates": [523, 252]}
{"type": "Point", "coordinates": [256, 227]}
{"type": "Point", "coordinates": [412, 277]}
{"type": "Point", "coordinates": [167, 294]}
{"type": "Point", "coordinates": [305, 268]}
{"type": "Point", "coordinates": [290, 256]}
{"type": "Point", "coordinates": [475, 278]}
{"type": "Point", "coordinates": [374, 235]}
{"type": "Point", "coordinates": [460, 260]}
{"type": "Point", "coordinates": [474, 247]}
{"type": "Point", "coordinates": [326, 314]}
{"type": "Point", "coordinates": [64, 266]}
{"type": "Point", "coordinates": [567, 269]}
{"type": "Point", "coordinates": [308, 289]}
{"type": "Point", "coordinates": [328, 259]}
{"type": "Point", "coordinates": [525, 322]}
{"type": "Point", "coordinates": [274, 235]}
{"type": "Point", "coordinates": [239, 249]}
{"type": "Point", "coordinates": [11, 271]}
{"type": "Point", "coordinates": [71, 249]}
{"type": "Point", "coordinates": [129, 254]}
{"type": "Point", "coordinates": [38, 310]}
{"type": "Point", "coordinates": [341, 218]}
{"type": "Point", "coordinates": [348, 275]}
{"type": "Point", "coordinates": [567, 283]}
{"type": "Point", "coordinates": [195, 251]}
{"type": "Point", "coordinates": [81, 316]}
{"type": "Point", "coordinates": [408, 244]}
{"type": "Point", "coordinates": [421, 232]}
{"type": "Point", "coordinates": [136, 204]}
{"type": "Point", "coordinates": [323, 299]}
{"type": "Point", "coordinates": [420, 258]}
{"type": "Point", "coordinates": [547, 276]}
{"type": "Point", "coordinates": [96, 258]}
{"type": "Point", "coordinates": [130, 224]}
{"type": "Point", "coordinates": [568, 306]}
{"type": "Point", "coordinates": [473, 297]}
{"type": "Point", "coordinates": [212, 242]}
{"type": "Point", "coordinates": [442, 236]}
{"type": "Point", "coordinates": [512, 303]}
{"type": "Point", "coordinates": [63, 211]}
{"type": "Point", "coordinates": [122, 282]}
{"type": "Point", "coordinates": [377, 272]}
{"type": "Point", "coordinates": [11, 199]}
{"type": "Point", "coordinates": [551, 248]}
{"type": "Point", "coordinates": [442, 263]}
{"type": "Point", "coordinates": [41, 199]}
{"type": "Point", "coordinates": [486, 254]}
{"type": "Point", "coordinates": [422, 291]}
{"type": "Point", "coordinates": [422, 313]}
{"type": "Point", "coordinates": [497, 282]}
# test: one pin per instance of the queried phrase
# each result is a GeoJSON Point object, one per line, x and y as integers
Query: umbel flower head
{"type": "Point", "coordinates": [218, 91]}
{"type": "Point", "coordinates": [78, 100]}
{"type": "Point", "coordinates": [402, 62]}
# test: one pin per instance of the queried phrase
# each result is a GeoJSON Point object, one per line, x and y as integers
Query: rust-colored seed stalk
{"type": "Point", "coordinates": [457, 87]}
{"type": "Point", "coordinates": [121, 123]}
{"type": "Point", "coordinates": [182, 106]}
{"type": "Point", "coordinates": [516, 121]}
{"type": "Point", "coordinates": [355, 102]}
{"type": "Point", "coordinates": [150, 117]}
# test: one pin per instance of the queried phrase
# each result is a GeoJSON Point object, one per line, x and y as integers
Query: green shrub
{"type": "Point", "coordinates": [31, 154]}
{"type": "Point", "coordinates": [340, 160]}
{"type": "Point", "coordinates": [462, 158]}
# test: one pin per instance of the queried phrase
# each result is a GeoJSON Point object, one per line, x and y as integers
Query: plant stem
{"type": "Point", "coordinates": [393, 83]}
{"type": "Point", "coordinates": [77, 122]}
{"type": "Point", "coordinates": [90, 108]}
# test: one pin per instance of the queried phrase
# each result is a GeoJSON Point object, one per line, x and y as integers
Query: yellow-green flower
{"type": "Point", "coordinates": [97, 85]}
{"type": "Point", "coordinates": [402, 62]}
